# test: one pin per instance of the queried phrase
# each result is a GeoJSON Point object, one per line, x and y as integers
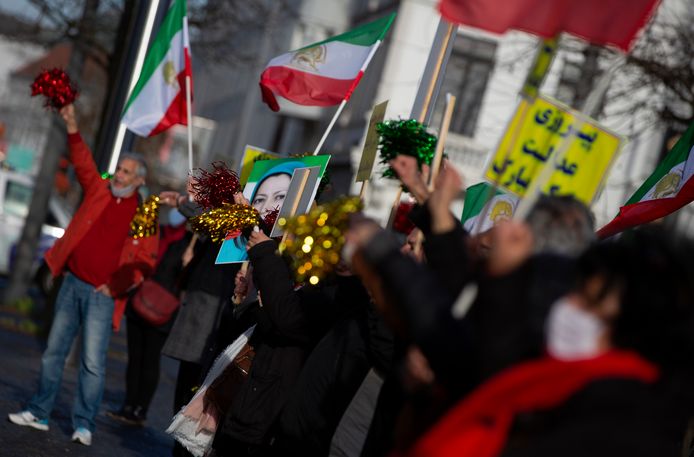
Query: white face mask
{"type": "Point", "coordinates": [572, 332]}
{"type": "Point", "coordinates": [121, 192]}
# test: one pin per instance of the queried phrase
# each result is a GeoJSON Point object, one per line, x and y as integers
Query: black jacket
{"type": "Point", "coordinates": [331, 376]}
{"type": "Point", "coordinates": [289, 322]}
{"type": "Point", "coordinates": [607, 418]}
{"type": "Point", "coordinates": [503, 326]}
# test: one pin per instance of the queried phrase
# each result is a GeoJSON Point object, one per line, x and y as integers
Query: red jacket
{"type": "Point", "coordinates": [138, 255]}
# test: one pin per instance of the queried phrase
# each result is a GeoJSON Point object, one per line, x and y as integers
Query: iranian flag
{"type": "Point", "coordinates": [323, 73]}
{"type": "Point", "coordinates": [668, 189]}
{"type": "Point", "coordinates": [480, 215]}
{"type": "Point", "coordinates": [158, 100]}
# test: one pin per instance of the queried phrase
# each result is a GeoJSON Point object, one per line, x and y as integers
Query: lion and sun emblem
{"type": "Point", "coordinates": [501, 211]}
{"type": "Point", "coordinates": [169, 73]}
{"type": "Point", "coordinates": [668, 185]}
{"type": "Point", "coordinates": [310, 58]}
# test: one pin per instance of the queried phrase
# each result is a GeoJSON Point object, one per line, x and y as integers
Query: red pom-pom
{"type": "Point", "coordinates": [56, 86]}
{"type": "Point", "coordinates": [216, 187]}
{"type": "Point", "coordinates": [402, 222]}
{"type": "Point", "coordinates": [269, 220]}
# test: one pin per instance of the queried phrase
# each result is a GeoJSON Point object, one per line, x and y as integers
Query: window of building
{"type": "Point", "coordinates": [467, 74]}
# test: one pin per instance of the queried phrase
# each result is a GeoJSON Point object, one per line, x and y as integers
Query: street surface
{"type": "Point", "coordinates": [20, 354]}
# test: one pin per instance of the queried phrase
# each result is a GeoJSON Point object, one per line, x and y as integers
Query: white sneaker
{"type": "Point", "coordinates": [25, 418]}
{"type": "Point", "coordinates": [82, 436]}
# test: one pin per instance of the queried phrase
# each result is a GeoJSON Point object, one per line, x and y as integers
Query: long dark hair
{"type": "Point", "coordinates": [653, 271]}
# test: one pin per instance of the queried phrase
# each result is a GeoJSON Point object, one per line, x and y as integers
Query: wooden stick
{"type": "Point", "coordinates": [443, 134]}
{"type": "Point", "coordinates": [438, 157]}
{"type": "Point", "coordinates": [295, 204]}
{"type": "Point", "coordinates": [440, 58]}
{"type": "Point", "coordinates": [422, 115]}
{"type": "Point", "coordinates": [362, 192]}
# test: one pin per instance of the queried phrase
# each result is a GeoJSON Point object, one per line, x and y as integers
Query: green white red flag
{"type": "Point", "coordinates": [323, 73]}
{"type": "Point", "coordinates": [480, 212]}
{"type": "Point", "coordinates": [158, 100]}
{"type": "Point", "coordinates": [669, 188]}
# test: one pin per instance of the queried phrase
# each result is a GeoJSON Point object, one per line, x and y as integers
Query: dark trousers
{"type": "Point", "coordinates": [144, 353]}
{"type": "Point", "coordinates": [189, 376]}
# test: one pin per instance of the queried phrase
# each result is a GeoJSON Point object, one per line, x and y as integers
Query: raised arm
{"type": "Point", "coordinates": [80, 154]}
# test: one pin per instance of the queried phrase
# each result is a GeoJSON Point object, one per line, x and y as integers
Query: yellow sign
{"type": "Point", "coordinates": [537, 130]}
{"type": "Point", "coordinates": [250, 156]}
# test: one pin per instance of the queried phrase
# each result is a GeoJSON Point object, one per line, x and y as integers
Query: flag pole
{"type": "Point", "coordinates": [189, 93]}
{"type": "Point", "coordinates": [189, 112]}
{"type": "Point", "coordinates": [431, 83]}
{"type": "Point", "coordinates": [544, 57]}
{"type": "Point", "coordinates": [438, 156]}
{"type": "Point", "coordinates": [347, 96]}
{"type": "Point", "coordinates": [443, 134]}
{"type": "Point", "coordinates": [330, 126]}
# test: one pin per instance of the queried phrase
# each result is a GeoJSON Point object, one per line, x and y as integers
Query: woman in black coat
{"type": "Point", "coordinates": [289, 322]}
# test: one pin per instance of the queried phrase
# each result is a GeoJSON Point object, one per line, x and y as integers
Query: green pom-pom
{"type": "Point", "coordinates": [407, 137]}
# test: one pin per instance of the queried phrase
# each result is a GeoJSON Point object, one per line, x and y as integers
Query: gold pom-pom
{"type": "Point", "coordinates": [146, 219]}
{"type": "Point", "coordinates": [315, 240]}
{"type": "Point", "coordinates": [229, 217]}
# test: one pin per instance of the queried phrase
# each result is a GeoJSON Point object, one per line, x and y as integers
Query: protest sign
{"type": "Point", "coordinates": [536, 130]}
{"type": "Point", "coordinates": [266, 189]}
{"type": "Point", "coordinates": [251, 155]}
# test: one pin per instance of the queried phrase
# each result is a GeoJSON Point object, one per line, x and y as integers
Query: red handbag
{"type": "Point", "coordinates": [154, 303]}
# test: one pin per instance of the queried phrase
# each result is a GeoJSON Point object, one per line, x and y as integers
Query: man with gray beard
{"type": "Point", "coordinates": [101, 261]}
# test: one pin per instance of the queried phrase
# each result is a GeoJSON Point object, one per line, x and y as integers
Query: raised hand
{"type": "Point", "coordinates": [411, 177]}
{"type": "Point", "coordinates": [257, 237]}
{"type": "Point", "coordinates": [448, 186]}
{"type": "Point", "coordinates": [239, 199]}
{"type": "Point", "coordinates": [169, 198]}
{"type": "Point", "coordinates": [67, 112]}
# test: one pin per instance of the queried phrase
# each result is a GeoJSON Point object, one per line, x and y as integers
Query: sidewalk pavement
{"type": "Point", "coordinates": [20, 359]}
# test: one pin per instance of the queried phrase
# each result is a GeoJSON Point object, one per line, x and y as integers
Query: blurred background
{"type": "Point", "coordinates": [649, 102]}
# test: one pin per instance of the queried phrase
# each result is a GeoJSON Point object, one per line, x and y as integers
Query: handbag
{"type": "Point", "coordinates": [223, 389]}
{"type": "Point", "coordinates": [154, 303]}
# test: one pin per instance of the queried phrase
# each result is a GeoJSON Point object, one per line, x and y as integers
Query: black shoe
{"type": "Point", "coordinates": [127, 416]}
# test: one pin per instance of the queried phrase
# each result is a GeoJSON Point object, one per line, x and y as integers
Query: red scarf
{"type": "Point", "coordinates": [478, 426]}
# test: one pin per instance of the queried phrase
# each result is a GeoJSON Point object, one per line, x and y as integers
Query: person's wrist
{"type": "Point", "coordinates": [438, 205]}
{"type": "Point", "coordinates": [420, 192]}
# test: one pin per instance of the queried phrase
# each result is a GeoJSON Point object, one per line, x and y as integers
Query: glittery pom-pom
{"type": "Point", "coordinates": [146, 219]}
{"type": "Point", "coordinates": [315, 240]}
{"type": "Point", "coordinates": [230, 217]}
{"type": "Point", "coordinates": [407, 137]}
{"type": "Point", "coordinates": [217, 187]}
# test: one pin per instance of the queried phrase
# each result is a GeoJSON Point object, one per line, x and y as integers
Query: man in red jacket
{"type": "Point", "coordinates": [101, 262]}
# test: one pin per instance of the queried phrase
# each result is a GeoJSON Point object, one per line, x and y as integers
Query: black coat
{"type": "Point", "coordinates": [331, 376]}
{"type": "Point", "coordinates": [504, 325]}
{"type": "Point", "coordinates": [288, 325]}
{"type": "Point", "coordinates": [607, 418]}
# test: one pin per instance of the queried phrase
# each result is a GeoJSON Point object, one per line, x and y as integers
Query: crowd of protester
{"type": "Point", "coordinates": [531, 339]}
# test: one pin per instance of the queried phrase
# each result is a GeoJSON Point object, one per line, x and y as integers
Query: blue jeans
{"type": "Point", "coordinates": [78, 305]}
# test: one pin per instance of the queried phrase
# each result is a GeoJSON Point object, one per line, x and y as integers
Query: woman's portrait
{"type": "Point", "coordinates": [266, 190]}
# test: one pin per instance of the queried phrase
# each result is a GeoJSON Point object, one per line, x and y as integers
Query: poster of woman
{"type": "Point", "coordinates": [266, 189]}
